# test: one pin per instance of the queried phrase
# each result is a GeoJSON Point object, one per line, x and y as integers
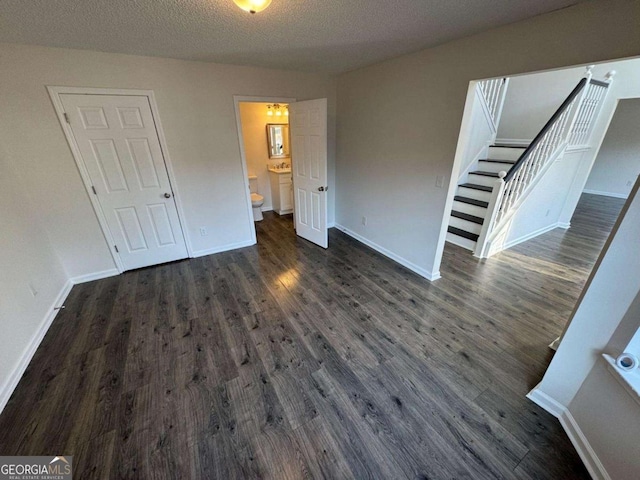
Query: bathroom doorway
{"type": "Point", "coordinates": [263, 135]}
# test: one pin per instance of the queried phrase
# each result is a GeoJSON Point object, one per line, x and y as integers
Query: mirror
{"type": "Point", "coordinates": [278, 140]}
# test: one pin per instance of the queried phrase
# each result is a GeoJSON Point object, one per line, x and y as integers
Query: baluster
{"type": "Point", "coordinates": [492, 93]}
{"type": "Point", "coordinates": [590, 114]}
{"type": "Point", "coordinates": [584, 117]}
{"type": "Point", "coordinates": [496, 100]}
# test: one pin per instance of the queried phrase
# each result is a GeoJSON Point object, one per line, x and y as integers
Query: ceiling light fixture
{"type": "Point", "coordinates": [252, 6]}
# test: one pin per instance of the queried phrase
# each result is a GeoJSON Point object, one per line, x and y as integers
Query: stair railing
{"type": "Point", "coordinates": [539, 152]}
{"type": "Point", "coordinates": [571, 124]}
{"type": "Point", "coordinates": [494, 92]}
{"type": "Point", "coordinates": [588, 111]}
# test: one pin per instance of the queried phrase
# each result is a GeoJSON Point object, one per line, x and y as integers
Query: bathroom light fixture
{"type": "Point", "coordinates": [278, 109]}
{"type": "Point", "coordinates": [252, 6]}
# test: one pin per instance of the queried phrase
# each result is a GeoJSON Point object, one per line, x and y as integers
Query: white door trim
{"type": "Point", "coordinates": [54, 93]}
{"type": "Point", "coordinates": [237, 99]}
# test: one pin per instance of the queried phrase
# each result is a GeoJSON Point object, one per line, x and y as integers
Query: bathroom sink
{"type": "Point", "coordinates": [279, 170]}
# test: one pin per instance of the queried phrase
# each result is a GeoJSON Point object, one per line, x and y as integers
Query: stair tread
{"type": "Point", "coordinates": [484, 174]}
{"type": "Point", "coordinates": [467, 217]}
{"type": "Point", "coordinates": [463, 233]}
{"type": "Point", "coordinates": [475, 186]}
{"type": "Point", "coordinates": [471, 201]}
{"type": "Point", "coordinates": [500, 145]}
{"type": "Point", "coordinates": [494, 160]}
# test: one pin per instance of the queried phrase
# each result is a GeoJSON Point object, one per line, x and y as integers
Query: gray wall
{"type": "Point", "coordinates": [399, 120]}
{"type": "Point", "coordinates": [618, 162]}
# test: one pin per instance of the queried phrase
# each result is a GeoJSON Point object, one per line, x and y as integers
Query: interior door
{"type": "Point", "coordinates": [308, 129]}
{"type": "Point", "coordinates": [117, 138]}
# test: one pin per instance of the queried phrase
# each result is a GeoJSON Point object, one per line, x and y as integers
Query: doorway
{"type": "Point", "coordinates": [116, 140]}
{"type": "Point", "coordinates": [290, 174]}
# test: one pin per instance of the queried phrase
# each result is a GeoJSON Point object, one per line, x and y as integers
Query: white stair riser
{"type": "Point", "coordinates": [494, 167]}
{"type": "Point", "coordinates": [470, 209]}
{"type": "Point", "coordinates": [475, 194]}
{"type": "Point", "coordinates": [461, 241]}
{"type": "Point", "coordinates": [505, 153]}
{"type": "Point", "coordinates": [482, 180]}
{"type": "Point", "coordinates": [465, 225]}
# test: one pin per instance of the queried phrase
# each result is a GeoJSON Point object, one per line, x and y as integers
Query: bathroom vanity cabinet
{"type": "Point", "coordinates": [281, 190]}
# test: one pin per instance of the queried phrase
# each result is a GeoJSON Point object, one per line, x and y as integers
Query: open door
{"type": "Point", "coordinates": [308, 129]}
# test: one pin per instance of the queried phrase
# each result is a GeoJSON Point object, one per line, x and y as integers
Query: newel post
{"type": "Point", "coordinates": [482, 245]}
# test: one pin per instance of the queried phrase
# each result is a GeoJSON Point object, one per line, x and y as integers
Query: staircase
{"type": "Point", "coordinates": [492, 189]}
{"type": "Point", "coordinates": [472, 197]}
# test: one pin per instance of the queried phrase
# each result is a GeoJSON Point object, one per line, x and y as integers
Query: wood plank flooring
{"type": "Point", "coordinates": [286, 361]}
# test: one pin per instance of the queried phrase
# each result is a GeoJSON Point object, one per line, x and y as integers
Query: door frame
{"type": "Point", "coordinates": [237, 99]}
{"type": "Point", "coordinates": [54, 94]}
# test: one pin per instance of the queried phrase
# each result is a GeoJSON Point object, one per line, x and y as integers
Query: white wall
{"type": "Point", "coordinates": [26, 257]}
{"type": "Point", "coordinates": [532, 99]}
{"type": "Point", "coordinates": [50, 233]}
{"type": "Point", "coordinates": [618, 163]}
{"type": "Point", "coordinates": [254, 120]}
{"type": "Point", "coordinates": [613, 430]}
{"type": "Point", "coordinates": [481, 134]}
{"type": "Point", "coordinates": [603, 322]}
{"type": "Point", "coordinates": [399, 120]}
{"type": "Point", "coordinates": [196, 106]}
{"type": "Point", "coordinates": [602, 305]}
{"type": "Point", "coordinates": [542, 210]}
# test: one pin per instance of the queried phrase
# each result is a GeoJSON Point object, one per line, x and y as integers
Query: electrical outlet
{"type": "Point", "coordinates": [203, 231]}
{"type": "Point", "coordinates": [440, 181]}
{"type": "Point", "coordinates": [364, 220]}
{"type": "Point", "coordinates": [33, 290]}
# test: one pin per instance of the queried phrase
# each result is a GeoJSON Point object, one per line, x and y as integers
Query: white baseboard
{"type": "Point", "coordinates": [529, 236]}
{"type": "Point", "coordinates": [387, 253]}
{"type": "Point", "coordinates": [545, 402]}
{"type": "Point", "coordinates": [514, 142]}
{"type": "Point", "coordinates": [583, 447]}
{"type": "Point", "coordinates": [14, 379]}
{"type": "Point", "coordinates": [573, 431]}
{"type": "Point", "coordinates": [564, 225]}
{"type": "Point", "coordinates": [331, 225]}
{"type": "Point", "coordinates": [606, 194]}
{"type": "Point", "coordinates": [555, 344]}
{"type": "Point", "coordinates": [223, 248]}
{"type": "Point", "coordinates": [90, 277]}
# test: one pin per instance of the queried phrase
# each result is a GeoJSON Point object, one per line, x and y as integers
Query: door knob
{"type": "Point", "coordinates": [167, 195]}
{"type": "Point", "coordinates": [321, 189]}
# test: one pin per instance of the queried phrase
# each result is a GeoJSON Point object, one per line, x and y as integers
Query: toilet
{"type": "Point", "coordinates": [257, 200]}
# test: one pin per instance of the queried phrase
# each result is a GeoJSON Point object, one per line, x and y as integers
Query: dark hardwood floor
{"type": "Point", "coordinates": [287, 361]}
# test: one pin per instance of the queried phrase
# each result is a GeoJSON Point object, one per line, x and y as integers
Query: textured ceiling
{"type": "Point", "coordinates": [309, 35]}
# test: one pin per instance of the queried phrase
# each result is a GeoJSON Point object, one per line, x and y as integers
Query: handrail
{"type": "Point", "coordinates": [521, 160]}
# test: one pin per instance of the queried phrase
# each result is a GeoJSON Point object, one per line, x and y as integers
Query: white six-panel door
{"type": "Point", "coordinates": [119, 145]}
{"type": "Point", "coordinates": [308, 130]}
